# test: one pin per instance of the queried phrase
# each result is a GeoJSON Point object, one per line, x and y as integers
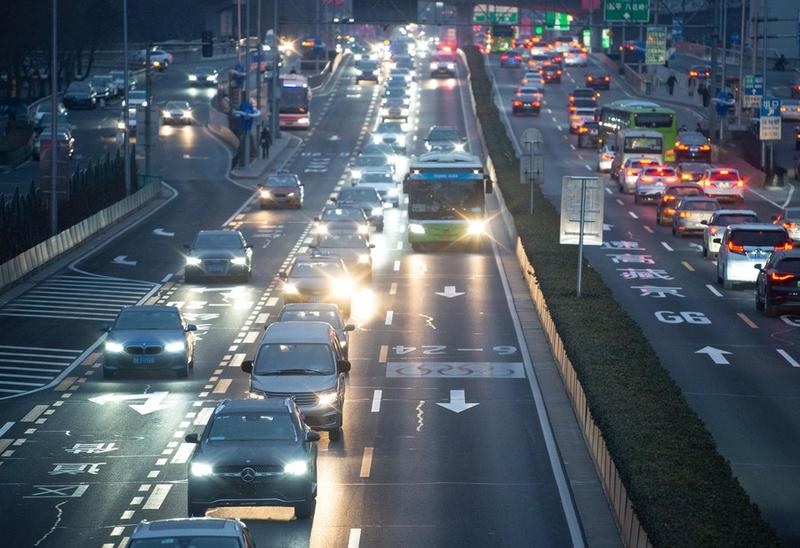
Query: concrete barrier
{"type": "Point", "coordinates": [26, 262]}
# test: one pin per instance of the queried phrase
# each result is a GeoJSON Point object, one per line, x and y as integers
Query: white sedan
{"type": "Point", "coordinates": [177, 112]}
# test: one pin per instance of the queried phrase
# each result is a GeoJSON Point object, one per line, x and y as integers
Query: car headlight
{"type": "Point", "coordinates": [290, 288]}
{"type": "Point", "coordinates": [114, 347]}
{"type": "Point", "coordinates": [363, 229]}
{"type": "Point", "coordinates": [320, 229]}
{"type": "Point", "coordinates": [415, 228]}
{"type": "Point", "coordinates": [296, 468]}
{"type": "Point", "coordinates": [363, 258]}
{"type": "Point", "coordinates": [377, 211]}
{"type": "Point", "coordinates": [392, 192]}
{"type": "Point", "coordinates": [355, 174]}
{"type": "Point", "coordinates": [475, 228]}
{"type": "Point", "coordinates": [241, 261]}
{"type": "Point", "coordinates": [377, 139]}
{"type": "Point", "coordinates": [200, 469]}
{"type": "Point", "coordinates": [265, 194]}
{"type": "Point", "coordinates": [121, 124]}
{"type": "Point", "coordinates": [144, 104]}
{"type": "Point", "coordinates": [434, 66]}
{"type": "Point", "coordinates": [343, 287]}
{"type": "Point", "coordinates": [193, 261]}
{"type": "Point", "coordinates": [401, 140]}
{"type": "Point", "coordinates": [451, 66]}
{"type": "Point", "coordinates": [328, 398]}
{"type": "Point", "coordinates": [384, 111]}
{"type": "Point", "coordinates": [165, 114]}
{"type": "Point", "coordinates": [187, 113]}
{"type": "Point", "coordinates": [175, 346]}
{"type": "Point", "coordinates": [290, 195]}
{"type": "Point", "coordinates": [458, 147]}
{"type": "Point", "coordinates": [192, 78]}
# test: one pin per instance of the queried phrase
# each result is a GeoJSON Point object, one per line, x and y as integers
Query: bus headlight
{"type": "Point", "coordinates": [476, 228]}
{"type": "Point", "coordinates": [415, 228]}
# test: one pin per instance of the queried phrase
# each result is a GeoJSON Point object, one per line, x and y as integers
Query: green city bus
{"type": "Point", "coordinates": [637, 114]}
{"type": "Point", "coordinates": [446, 200]}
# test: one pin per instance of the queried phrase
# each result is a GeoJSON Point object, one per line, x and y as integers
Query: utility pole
{"type": "Point", "coordinates": [259, 77]}
{"type": "Point", "coordinates": [316, 37]}
{"type": "Point", "coordinates": [766, 155]}
{"type": "Point", "coordinates": [741, 69]}
{"type": "Point", "coordinates": [148, 107]}
{"type": "Point", "coordinates": [125, 111]}
{"type": "Point", "coordinates": [275, 127]}
{"type": "Point", "coordinates": [712, 87]}
{"type": "Point", "coordinates": [246, 134]}
{"type": "Point", "coordinates": [54, 149]}
{"type": "Point", "coordinates": [724, 17]}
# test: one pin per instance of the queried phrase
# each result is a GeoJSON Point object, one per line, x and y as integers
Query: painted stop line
{"type": "Point", "coordinates": [495, 370]}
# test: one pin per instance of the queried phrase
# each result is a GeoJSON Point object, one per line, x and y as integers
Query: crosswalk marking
{"type": "Point", "coordinates": [78, 297]}
{"type": "Point", "coordinates": [18, 374]}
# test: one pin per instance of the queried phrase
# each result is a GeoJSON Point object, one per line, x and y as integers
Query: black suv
{"type": "Point", "coordinates": [255, 452]}
{"type": "Point", "coordinates": [692, 146]}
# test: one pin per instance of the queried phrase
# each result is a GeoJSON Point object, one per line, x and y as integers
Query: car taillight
{"type": "Point", "coordinates": [787, 246]}
{"type": "Point", "coordinates": [631, 172]}
{"type": "Point", "coordinates": [571, 98]}
{"type": "Point", "coordinates": [667, 197]}
{"type": "Point", "coordinates": [589, 78]}
{"type": "Point", "coordinates": [780, 277]}
{"type": "Point", "coordinates": [605, 78]}
{"type": "Point", "coordinates": [685, 214]}
{"type": "Point", "coordinates": [504, 57]}
{"type": "Point", "coordinates": [517, 103]}
{"type": "Point", "coordinates": [536, 104]}
{"type": "Point", "coordinates": [705, 147]}
{"type": "Point", "coordinates": [739, 183]}
{"type": "Point", "coordinates": [735, 248]}
{"type": "Point", "coordinates": [647, 179]}
{"type": "Point", "coordinates": [788, 225]}
{"type": "Point", "coordinates": [681, 146]}
{"type": "Point", "coordinates": [686, 176]}
{"type": "Point", "coordinates": [672, 179]}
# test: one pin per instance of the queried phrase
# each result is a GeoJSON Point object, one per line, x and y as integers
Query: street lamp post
{"type": "Point", "coordinates": [125, 111]}
{"type": "Point", "coordinates": [274, 128]}
{"type": "Point", "coordinates": [54, 131]}
{"type": "Point", "coordinates": [246, 133]}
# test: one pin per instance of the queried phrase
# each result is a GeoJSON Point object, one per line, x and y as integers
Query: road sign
{"type": "Point", "coordinates": [656, 45]}
{"type": "Point", "coordinates": [769, 122]}
{"type": "Point", "coordinates": [753, 90]}
{"type": "Point", "coordinates": [498, 15]}
{"type": "Point", "coordinates": [627, 11]}
{"type": "Point", "coordinates": [556, 20]}
{"type": "Point", "coordinates": [770, 106]}
{"type": "Point", "coordinates": [589, 193]}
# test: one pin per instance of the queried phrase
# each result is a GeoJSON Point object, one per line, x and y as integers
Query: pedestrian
{"type": "Point", "coordinates": [702, 91]}
{"type": "Point", "coordinates": [265, 140]}
{"type": "Point", "coordinates": [671, 81]}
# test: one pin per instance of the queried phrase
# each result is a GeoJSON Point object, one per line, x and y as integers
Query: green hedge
{"type": "Point", "coordinates": [682, 490]}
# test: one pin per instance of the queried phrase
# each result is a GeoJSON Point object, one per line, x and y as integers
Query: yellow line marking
{"type": "Point", "coordinates": [648, 229]}
{"type": "Point", "coordinates": [747, 320]}
{"type": "Point", "coordinates": [383, 354]}
{"type": "Point", "coordinates": [689, 267]}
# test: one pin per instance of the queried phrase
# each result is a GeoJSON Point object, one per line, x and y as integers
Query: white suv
{"type": "Point", "coordinates": [745, 245]}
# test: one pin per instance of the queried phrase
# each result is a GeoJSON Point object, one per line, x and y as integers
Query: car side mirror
{"type": "Point", "coordinates": [316, 219]}
{"type": "Point", "coordinates": [191, 327]}
{"type": "Point", "coordinates": [350, 327]}
{"type": "Point", "coordinates": [717, 240]}
{"type": "Point", "coordinates": [105, 328]}
{"type": "Point", "coordinates": [343, 366]}
{"type": "Point", "coordinates": [259, 186]}
{"type": "Point", "coordinates": [371, 246]}
{"type": "Point", "coordinates": [247, 366]}
{"type": "Point", "coordinates": [758, 266]}
{"type": "Point", "coordinates": [282, 275]}
{"type": "Point", "coordinates": [704, 222]}
{"type": "Point", "coordinates": [191, 438]}
{"type": "Point", "coordinates": [312, 436]}
{"type": "Point", "coordinates": [187, 247]}
{"type": "Point", "coordinates": [333, 199]}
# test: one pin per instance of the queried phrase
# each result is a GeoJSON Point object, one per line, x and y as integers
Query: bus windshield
{"type": "Point", "coordinates": [294, 100]}
{"type": "Point", "coordinates": [445, 200]}
{"type": "Point", "coordinates": [652, 119]}
{"type": "Point", "coordinates": [652, 145]}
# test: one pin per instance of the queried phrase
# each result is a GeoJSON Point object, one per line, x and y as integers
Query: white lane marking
{"type": "Point", "coordinates": [376, 401]}
{"type": "Point", "coordinates": [713, 290]}
{"type": "Point", "coordinates": [6, 427]}
{"type": "Point", "coordinates": [393, 289]}
{"type": "Point", "coordinates": [355, 538]}
{"type": "Point", "coordinates": [156, 498]}
{"type": "Point", "coordinates": [262, 318]}
{"type": "Point", "coordinates": [222, 386]}
{"type": "Point", "coordinates": [127, 514]}
{"type": "Point", "coordinates": [588, 168]}
{"type": "Point", "coordinates": [558, 126]}
{"type": "Point", "coordinates": [183, 453]}
{"type": "Point", "coordinates": [202, 417]}
{"type": "Point", "coordinates": [776, 204]}
{"type": "Point", "coordinates": [237, 360]}
{"type": "Point", "coordinates": [666, 246]}
{"type": "Point", "coordinates": [396, 266]}
{"type": "Point", "coordinates": [389, 317]}
{"type": "Point", "coordinates": [788, 358]}
{"type": "Point", "coordinates": [116, 531]}
{"type": "Point", "coordinates": [251, 337]}
{"type": "Point", "coordinates": [366, 463]}
{"type": "Point", "coordinates": [632, 214]}
{"type": "Point", "coordinates": [565, 496]}
{"type": "Point", "coordinates": [34, 413]}
{"type": "Point", "coordinates": [609, 191]}
{"type": "Point", "coordinates": [572, 146]}
{"type": "Point", "coordinates": [166, 278]}
{"type": "Point", "coordinates": [272, 301]}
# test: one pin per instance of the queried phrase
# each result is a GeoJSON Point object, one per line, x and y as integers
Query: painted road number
{"type": "Point", "coordinates": [696, 318]}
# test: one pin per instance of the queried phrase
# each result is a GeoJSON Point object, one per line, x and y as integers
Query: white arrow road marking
{"type": "Point", "coordinates": [162, 232]}
{"type": "Point", "coordinates": [717, 355]}
{"type": "Point", "coordinates": [153, 401]}
{"type": "Point", "coordinates": [696, 247]}
{"type": "Point", "coordinates": [333, 138]}
{"type": "Point", "coordinates": [457, 402]}
{"type": "Point", "coordinates": [607, 227]}
{"type": "Point", "coordinates": [123, 259]}
{"type": "Point", "coordinates": [449, 292]}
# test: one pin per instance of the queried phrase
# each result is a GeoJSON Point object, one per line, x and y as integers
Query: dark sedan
{"type": "Point", "coordinates": [281, 190]}
{"type": "Point", "coordinates": [254, 452]}
{"type": "Point", "coordinates": [80, 94]}
{"type": "Point", "coordinates": [318, 279]}
{"type": "Point", "coordinates": [147, 338]}
{"type": "Point", "coordinates": [353, 249]}
{"type": "Point", "coordinates": [218, 254]}
{"type": "Point", "coordinates": [778, 282]}
{"type": "Point", "coordinates": [692, 146]}
{"type": "Point", "coordinates": [551, 74]}
{"type": "Point", "coordinates": [598, 80]}
{"type": "Point", "coordinates": [368, 199]}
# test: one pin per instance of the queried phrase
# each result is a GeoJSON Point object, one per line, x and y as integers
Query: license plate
{"type": "Point", "coordinates": [216, 269]}
{"type": "Point", "coordinates": [142, 360]}
{"type": "Point", "coordinates": [694, 149]}
{"type": "Point", "coordinates": [315, 299]}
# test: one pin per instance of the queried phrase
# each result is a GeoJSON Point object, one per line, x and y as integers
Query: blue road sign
{"type": "Point", "coordinates": [770, 106]}
{"type": "Point", "coordinates": [754, 84]}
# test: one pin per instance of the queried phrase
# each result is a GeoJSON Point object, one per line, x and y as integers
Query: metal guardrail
{"type": "Point", "coordinates": [40, 254]}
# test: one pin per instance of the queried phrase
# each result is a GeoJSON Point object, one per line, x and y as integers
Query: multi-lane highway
{"type": "Point", "coordinates": [739, 370]}
{"type": "Point", "coordinates": [444, 443]}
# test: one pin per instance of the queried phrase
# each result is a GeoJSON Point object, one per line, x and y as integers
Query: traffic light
{"type": "Point", "coordinates": [208, 43]}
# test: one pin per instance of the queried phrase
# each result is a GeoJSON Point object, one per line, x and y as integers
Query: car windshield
{"type": "Point", "coordinates": [358, 195]}
{"type": "Point", "coordinates": [700, 205]}
{"type": "Point", "coordinates": [651, 145]}
{"type": "Point", "coordinates": [354, 241]}
{"type": "Point", "coordinates": [759, 238]}
{"type": "Point", "coordinates": [390, 127]}
{"type": "Point", "coordinates": [316, 269]}
{"type": "Point", "coordinates": [177, 105]}
{"type": "Point", "coordinates": [370, 161]}
{"type": "Point", "coordinates": [790, 265]}
{"type": "Point", "coordinates": [584, 103]}
{"type": "Point", "coordinates": [734, 219]}
{"type": "Point", "coordinates": [148, 319]}
{"type": "Point", "coordinates": [217, 240]}
{"type": "Point", "coordinates": [294, 359]}
{"type": "Point", "coordinates": [281, 180]}
{"type": "Point", "coordinates": [79, 86]}
{"type": "Point", "coordinates": [252, 427]}
{"type": "Point", "coordinates": [186, 541]}
{"type": "Point", "coordinates": [343, 214]}
{"type": "Point", "coordinates": [442, 134]}
{"type": "Point", "coordinates": [328, 316]}
{"type": "Point", "coordinates": [376, 177]}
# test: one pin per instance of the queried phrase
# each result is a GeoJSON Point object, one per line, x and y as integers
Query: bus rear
{"type": "Point", "coordinates": [294, 102]}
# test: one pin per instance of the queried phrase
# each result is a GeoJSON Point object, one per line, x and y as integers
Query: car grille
{"type": "Point", "coordinates": [389, 139]}
{"type": "Point", "coordinates": [215, 263]}
{"type": "Point", "coordinates": [143, 349]}
{"type": "Point", "coordinates": [300, 398]}
{"type": "Point", "coordinates": [237, 468]}
{"type": "Point", "coordinates": [280, 195]}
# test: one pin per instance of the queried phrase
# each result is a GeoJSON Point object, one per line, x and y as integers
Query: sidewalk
{"type": "Point", "coordinates": [280, 152]}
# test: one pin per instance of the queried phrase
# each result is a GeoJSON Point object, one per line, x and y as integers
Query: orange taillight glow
{"type": "Point", "coordinates": [672, 179]}
{"type": "Point", "coordinates": [647, 179]}
{"type": "Point", "coordinates": [740, 183]}
{"type": "Point", "coordinates": [787, 246]}
{"type": "Point", "coordinates": [686, 176]}
{"type": "Point", "coordinates": [705, 147]}
{"type": "Point", "coordinates": [735, 248]}
{"type": "Point", "coordinates": [683, 214]}
{"type": "Point", "coordinates": [775, 276]}
{"type": "Point", "coordinates": [517, 103]}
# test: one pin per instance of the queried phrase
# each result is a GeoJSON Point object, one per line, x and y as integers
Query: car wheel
{"type": "Point", "coordinates": [335, 435]}
{"type": "Point", "coordinates": [770, 310]}
{"type": "Point", "coordinates": [196, 510]}
{"type": "Point", "coordinates": [636, 199]}
{"type": "Point", "coordinates": [759, 303]}
{"type": "Point", "coordinates": [109, 374]}
{"type": "Point", "coordinates": [705, 251]}
{"type": "Point", "coordinates": [305, 509]}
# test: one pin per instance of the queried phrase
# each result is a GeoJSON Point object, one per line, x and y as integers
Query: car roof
{"type": "Point", "coordinates": [219, 231]}
{"type": "Point", "coordinates": [246, 405]}
{"type": "Point", "coordinates": [210, 527]}
{"type": "Point", "coordinates": [151, 308]}
{"type": "Point", "coordinates": [310, 306]}
{"type": "Point", "coordinates": [735, 212]}
{"type": "Point", "coordinates": [297, 332]}
{"type": "Point", "coordinates": [756, 227]}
